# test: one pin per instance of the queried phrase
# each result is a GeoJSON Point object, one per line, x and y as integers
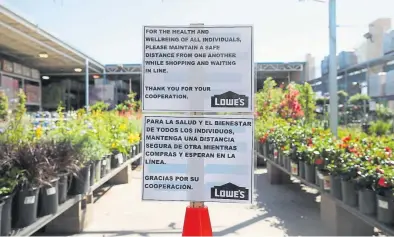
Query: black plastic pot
{"type": "Point", "coordinates": [336, 187]}
{"type": "Point", "coordinates": [81, 181]}
{"type": "Point", "coordinates": [62, 188]}
{"type": "Point", "coordinates": [365, 127]}
{"type": "Point", "coordinates": [265, 154]}
{"type": "Point", "coordinates": [1, 210]}
{"type": "Point", "coordinates": [317, 176]}
{"type": "Point", "coordinates": [349, 193]}
{"type": "Point", "coordinates": [97, 170]}
{"type": "Point", "coordinates": [48, 200]}
{"type": "Point", "coordinates": [301, 169]}
{"type": "Point", "coordinates": [6, 214]}
{"type": "Point", "coordinates": [139, 150]}
{"type": "Point", "coordinates": [261, 148]}
{"type": "Point", "coordinates": [367, 201]}
{"type": "Point", "coordinates": [324, 180]}
{"type": "Point", "coordinates": [108, 163]}
{"type": "Point", "coordinates": [287, 162]}
{"type": "Point", "coordinates": [385, 209]}
{"type": "Point", "coordinates": [92, 173]}
{"type": "Point", "coordinates": [260, 162]}
{"type": "Point", "coordinates": [103, 167]}
{"type": "Point", "coordinates": [116, 160]}
{"type": "Point", "coordinates": [134, 150]}
{"type": "Point", "coordinates": [281, 158]}
{"type": "Point", "coordinates": [310, 173]}
{"type": "Point", "coordinates": [24, 209]}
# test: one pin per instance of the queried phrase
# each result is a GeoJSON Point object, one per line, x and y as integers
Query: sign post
{"type": "Point", "coordinates": [196, 72]}
{"type": "Point", "coordinates": [197, 157]}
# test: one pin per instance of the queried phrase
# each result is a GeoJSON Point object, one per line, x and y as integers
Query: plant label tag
{"type": "Point", "coordinates": [104, 162]}
{"type": "Point", "coordinates": [275, 154]}
{"type": "Point", "coordinates": [320, 175]}
{"type": "Point", "coordinates": [383, 204]}
{"type": "Point", "coordinates": [294, 168]}
{"type": "Point", "coordinates": [51, 191]}
{"type": "Point", "coordinates": [119, 157]}
{"type": "Point", "coordinates": [134, 148]}
{"type": "Point", "coordinates": [326, 183]}
{"type": "Point", "coordinates": [30, 200]}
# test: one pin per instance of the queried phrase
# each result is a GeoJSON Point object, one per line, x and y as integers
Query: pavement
{"type": "Point", "coordinates": [277, 210]}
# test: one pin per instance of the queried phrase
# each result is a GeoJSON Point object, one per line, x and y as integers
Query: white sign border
{"type": "Point", "coordinates": [212, 110]}
{"type": "Point", "coordinates": [253, 154]}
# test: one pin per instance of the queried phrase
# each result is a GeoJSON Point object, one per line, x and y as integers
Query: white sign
{"type": "Point", "coordinates": [182, 65]}
{"type": "Point", "coordinates": [206, 158]}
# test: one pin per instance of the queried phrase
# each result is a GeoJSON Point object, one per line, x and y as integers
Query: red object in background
{"type": "Point", "coordinates": [32, 93]}
{"type": "Point", "coordinates": [197, 222]}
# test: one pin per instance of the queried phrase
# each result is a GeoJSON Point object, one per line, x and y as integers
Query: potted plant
{"type": "Point", "coordinates": [26, 198]}
{"type": "Point", "coordinates": [48, 199]}
{"type": "Point", "coordinates": [366, 182]}
{"type": "Point", "coordinates": [66, 156]}
{"type": "Point", "coordinates": [385, 200]}
{"type": "Point", "coordinates": [10, 176]}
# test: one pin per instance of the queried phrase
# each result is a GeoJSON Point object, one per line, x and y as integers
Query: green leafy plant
{"type": "Point", "coordinates": [3, 106]}
{"type": "Point", "coordinates": [380, 128]}
{"type": "Point", "coordinates": [342, 96]}
{"type": "Point", "coordinates": [359, 99]}
{"type": "Point", "coordinates": [99, 106]}
{"type": "Point", "coordinates": [307, 100]}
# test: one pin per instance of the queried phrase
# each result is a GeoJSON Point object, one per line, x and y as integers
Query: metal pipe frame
{"type": "Point", "coordinates": [332, 74]}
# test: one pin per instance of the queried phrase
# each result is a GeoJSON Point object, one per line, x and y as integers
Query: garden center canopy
{"type": "Point", "coordinates": [25, 41]}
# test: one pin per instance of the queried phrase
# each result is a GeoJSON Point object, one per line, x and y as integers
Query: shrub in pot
{"type": "Point", "coordinates": [366, 183]}
{"type": "Point", "coordinates": [10, 176]}
{"type": "Point", "coordinates": [28, 157]}
{"type": "Point", "coordinates": [310, 171]}
{"type": "Point", "coordinates": [338, 167]}
{"type": "Point", "coordinates": [336, 171]}
{"type": "Point", "coordinates": [301, 162]}
{"type": "Point", "coordinates": [349, 188]}
{"type": "Point", "coordinates": [93, 150]}
{"type": "Point", "coordinates": [66, 156]}
{"type": "Point", "coordinates": [384, 195]}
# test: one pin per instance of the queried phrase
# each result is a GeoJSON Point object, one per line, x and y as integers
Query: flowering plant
{"type": "Point", "coordinates": [290, 106]}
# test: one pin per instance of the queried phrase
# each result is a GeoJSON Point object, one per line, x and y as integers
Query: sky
{"type": "Point", "coordinates": [110, 31]}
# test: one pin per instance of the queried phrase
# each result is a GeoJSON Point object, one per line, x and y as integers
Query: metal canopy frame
{"type": "Point", "coordinates": [279, 67]}
{"type": "Point", "coordinates": [114, 69]}
{"type": "Point", "coordinates": [30, 35]}
{"type": "Point", "coordinates": [118, 69]}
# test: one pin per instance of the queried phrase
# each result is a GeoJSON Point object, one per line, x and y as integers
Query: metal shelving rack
{"type": "Point", "coordinates": [23, 80]}
{"type": "Point", "coordinates": [344, 74]}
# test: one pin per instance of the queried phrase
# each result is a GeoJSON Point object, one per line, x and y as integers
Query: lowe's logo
{"type": "Point", "coordinates": [229, 99]}
{"type": "Point", "coordinates": [229, 191]}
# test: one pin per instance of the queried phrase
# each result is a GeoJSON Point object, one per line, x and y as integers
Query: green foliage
{"type": "Point", "coordinates": [268, 99]}
{"type": "Point", "coordinates": [322, 101]}
{"type": "Point", "coordinates": [9, 179]}
{"type": "Point", "coordinates": [18, 130]}
{"type": "Point", "coordinates": [307, 100]}
{"type": "Point", "coordinates": [3, 106]}
{"type": "Point", "coordinates": [384, 113]}
{"type": "Point", "coordinates": [342, 96]}
{"type": "Point", "coordinates": [359, 99]}
{"type": "Point", "coordinates": [99, 106]}
{"type": "Point", "coordinates": [380, 127]}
